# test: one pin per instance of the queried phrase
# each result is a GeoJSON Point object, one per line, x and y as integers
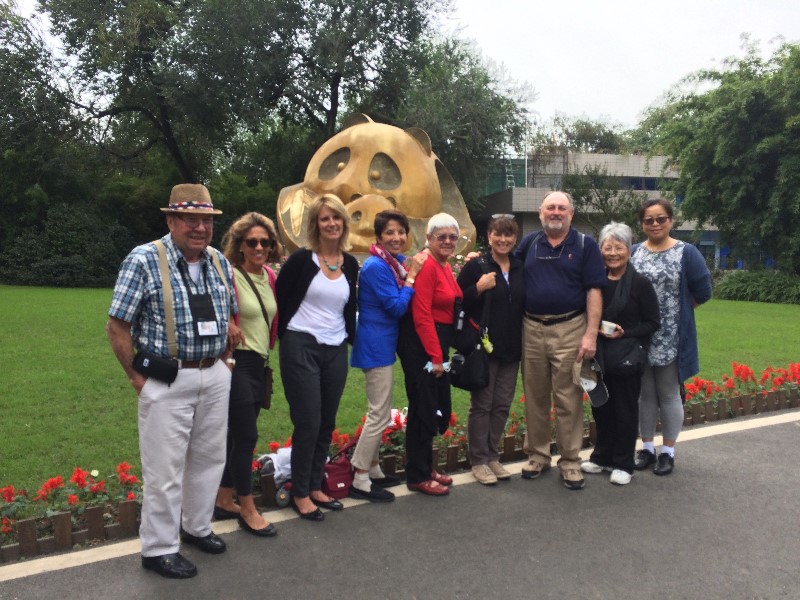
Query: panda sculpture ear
{"type": "Point", "coordinates": [421, 137]}
{"type": "Point", "coordinates": [355, 119]}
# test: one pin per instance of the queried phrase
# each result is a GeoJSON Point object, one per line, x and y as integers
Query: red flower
{"type": "Point", "coordinates": [125, 479]}
{"type": "Point", "coordinates": [7, 524]}
{"type": "Point", "coordinates": [288, 443]}
{"type": "Point", "coordinates": [123, 467]}
{"type": "Point", "coordinates": [7, 493]}
{"type": "Point", "coordinates": [49, 487]}
{"type": "Point", "coordinates": [99, 487]}
{"type": "Point", "coordinates": [453, 419]}
{"type": "Point", "coordinates": [447, 434]}
{"type": "Point", "coordinates": [131, 496]}
{"type": "Point", "coordinates": [80, 477]}
{"type": "Point", "coordinates": [72, 499]}
{"type": "Point", "coordinates": [255, 466]}
{"type": "Point", "coordinates": [274, 447]}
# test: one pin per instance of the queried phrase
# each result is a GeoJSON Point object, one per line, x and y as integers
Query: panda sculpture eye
{"type": "Point", "coordinates": [384, 173]}
{"type": "Point", "coordinates": [334, 164]}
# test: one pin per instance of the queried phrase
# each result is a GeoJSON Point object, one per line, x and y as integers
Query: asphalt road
{"type": "Point", "coordinates": [723, 525]}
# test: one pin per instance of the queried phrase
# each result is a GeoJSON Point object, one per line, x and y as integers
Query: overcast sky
{"type": "Point", "coordinates": [611, 59]}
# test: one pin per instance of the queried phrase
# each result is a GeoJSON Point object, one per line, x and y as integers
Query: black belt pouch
{"type": "Point", "coordinates": [151, 365]}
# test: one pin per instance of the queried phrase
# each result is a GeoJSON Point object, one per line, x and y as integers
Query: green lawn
{"type": "Point", "coordinates": [65, 401]}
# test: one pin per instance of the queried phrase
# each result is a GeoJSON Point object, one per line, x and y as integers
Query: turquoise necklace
{"type": "Point", "coordinates": [330, 266]}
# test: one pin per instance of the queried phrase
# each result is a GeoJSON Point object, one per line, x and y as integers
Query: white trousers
{"type": "Point", "coordinates": [182, 432]}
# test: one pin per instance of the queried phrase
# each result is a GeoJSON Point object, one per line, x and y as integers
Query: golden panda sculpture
{"type": "Point", "coordinates": [373, 167]}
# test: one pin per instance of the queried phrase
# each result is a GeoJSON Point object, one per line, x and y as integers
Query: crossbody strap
{"type": "Point", "coordinates": [169, 307]}
{"type": "Point", "coordinates": [258, 296]}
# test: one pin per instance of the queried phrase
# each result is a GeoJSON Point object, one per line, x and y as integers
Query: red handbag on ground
{"type": "Point", "coordinates": [337, 475]}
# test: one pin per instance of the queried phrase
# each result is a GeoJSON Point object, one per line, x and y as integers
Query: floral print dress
{"type": "Point", "coordinates": [663, 269]}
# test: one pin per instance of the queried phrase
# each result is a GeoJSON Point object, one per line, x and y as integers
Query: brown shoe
{"type": "Point", "coordinates": [484, 475]}
{"type": "Point", "coordinates": [533, 469]}
{"type": "Point", "coordinates": [499, 470]}
{"type": "Point", "coordinates": [572, 478]}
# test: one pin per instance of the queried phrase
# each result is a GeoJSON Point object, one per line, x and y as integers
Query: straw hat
{"type": "Point", "coordinates": [190, 199]}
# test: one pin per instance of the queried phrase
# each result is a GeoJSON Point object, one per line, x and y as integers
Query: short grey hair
{"type": "Point", "coordinates": [618, 231]}
{"type": "Point", "coordinates": [442, 221]}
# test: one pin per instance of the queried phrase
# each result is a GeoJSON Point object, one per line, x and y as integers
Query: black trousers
{"type": "Point", "coordinates": [426, 394]}
{"type": "Point", "coordinates": [618, 423]}
{"type": "Point", "coordinates": [313, 378]}
{"type": "Point", "coordinates": [247, 393]}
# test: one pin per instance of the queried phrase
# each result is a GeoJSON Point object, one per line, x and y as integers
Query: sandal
{"type": "Point", "coordinates": [441, 479]}
{"type": "Point", "coordinates": [429, 488]}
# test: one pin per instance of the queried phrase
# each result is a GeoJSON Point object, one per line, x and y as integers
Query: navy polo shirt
{"type": "Point", "coordinates": [557, 278]}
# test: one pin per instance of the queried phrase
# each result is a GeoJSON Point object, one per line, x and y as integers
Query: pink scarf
{"type": "Point", "coordinates": [398, 269]}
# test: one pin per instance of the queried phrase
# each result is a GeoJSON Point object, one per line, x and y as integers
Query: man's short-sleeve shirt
{"type": "Point", "coordinates": [557, 278]}
{"type": "Point", "coordinates": [138, 299]}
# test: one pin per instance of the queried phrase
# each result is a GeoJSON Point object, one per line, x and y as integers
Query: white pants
{"type": "Point", "coordinates": [182, 432]}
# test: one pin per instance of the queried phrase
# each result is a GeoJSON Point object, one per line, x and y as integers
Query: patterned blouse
{"type": "Point", "coordinates": [663, 269]}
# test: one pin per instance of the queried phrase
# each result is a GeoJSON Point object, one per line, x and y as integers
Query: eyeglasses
{"type": "Point", "coordinates": [253, 242]}
{"type": "Point", "coordinates": [651, 220]}
{"type": "Point", "coordinates": [549, 256]}
{"type": "Point", "coordinates": [446, 237]}
{"type": "Point", "coordinates": [503, 216]}
{"type": "Point", "coordinates": [194, 222]}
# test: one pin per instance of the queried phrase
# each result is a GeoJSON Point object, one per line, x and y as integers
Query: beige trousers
{"type": "Point", "coordinates": [379, 382]}
{"type": "Point", "coordinates": [548, 353]}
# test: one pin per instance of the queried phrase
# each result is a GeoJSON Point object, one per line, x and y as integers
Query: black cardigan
{"type": "Point", "coordinates": [508, 302]}
{"type": "Point", "coordinates": [640, 317]}
{"type": "Point", "coordinates": [294, 279]}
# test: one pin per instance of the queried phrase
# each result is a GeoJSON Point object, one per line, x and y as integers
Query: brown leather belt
{"type": "Point", "coordinates": [555, 320]}
{"type": "Point", "coordinates": [198, 364]}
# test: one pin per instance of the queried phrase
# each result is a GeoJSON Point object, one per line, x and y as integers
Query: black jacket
{"type": "Point", "coordinates": [508, 301]}
{"type": "Point", "coordinates": [640, 318]}
{"type": "Point", "coordinates": [293, 280]}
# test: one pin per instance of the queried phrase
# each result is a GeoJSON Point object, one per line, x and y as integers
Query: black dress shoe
{"type": "Point", "coordinates": [221, 514]}
{"type": "Point", "coordinates": [268, 531]}
{"type": "Point", "coordinates": [314, 515]}
{"type": "Point", "coordinates": [665, 464]}
{"type": "Point", "coordinates": [332, 504]}
{"type": "Point", "coordinates": [375, 494]}
{"type": "Point", "coordinates": [173, 566]}
{"type": "Point", "coordinates": [644, 458]}
{"type": "Point", "coordinates": [386, 480]}
{"type": "Point", "coordinates": [211, 543]}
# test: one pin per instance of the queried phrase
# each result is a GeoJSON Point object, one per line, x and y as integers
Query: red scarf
{"type": "Point", "coordinates": [398, 269]}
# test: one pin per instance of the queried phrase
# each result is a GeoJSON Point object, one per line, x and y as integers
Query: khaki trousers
{"type": "Point", "coordinates": [548, 353]}
{"type": "Point", "coordinates": [379, 382]}
{"type": "Point", "coordinates": [182, 432]}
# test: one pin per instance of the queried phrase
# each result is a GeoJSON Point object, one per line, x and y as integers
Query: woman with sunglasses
{"type": "Point", "coordinates": [316, 293]}
{"type": "Point", "coordinates": [250, 243]}
{"type": "Point", "coordinates": [497, 277]}
{"type": "Point", "coordinates": [425, 337]}
{"type": "Point", "coordinates": [682, 282]}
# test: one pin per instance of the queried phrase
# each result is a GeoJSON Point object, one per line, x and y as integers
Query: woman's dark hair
{"type": "Point", "coordinates": [665, 204]}
{"type": "Point", "coordinates": [503, 224]}
{"type": "Point", "coordinates": [382, 220]}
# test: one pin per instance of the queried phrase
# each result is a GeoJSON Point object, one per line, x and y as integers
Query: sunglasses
{"type": "Point", "coordinates": [253, 242]}
{"type": "Point", "coordinates": [446, 237]}
{"type": "Point", "coordinates": [503, 216]}
{"type": "Point", "coordinates": [651, 220]}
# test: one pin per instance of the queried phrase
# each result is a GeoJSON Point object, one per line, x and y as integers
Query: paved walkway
{"type": "Point", "coordinates": [723, 525]}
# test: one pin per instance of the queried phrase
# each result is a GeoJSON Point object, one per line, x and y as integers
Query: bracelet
{"type": "Point", "coordinates": [230, 361]}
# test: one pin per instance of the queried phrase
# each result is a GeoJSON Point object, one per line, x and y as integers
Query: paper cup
{"type": "Point", "coordinates": [608, 327]}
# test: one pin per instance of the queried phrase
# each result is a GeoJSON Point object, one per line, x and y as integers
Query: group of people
{"type": "Point", "coordinates": [193, 327]}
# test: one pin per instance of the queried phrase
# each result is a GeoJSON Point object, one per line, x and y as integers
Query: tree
{"type": "Point", "coordinates": [597, 196]}
{"type": "Point", "coordinates": [575, 134]}
{"type": "Point", "coordinates": [470, 115]}
{"type": "Point", "coordinates": [737, 146]}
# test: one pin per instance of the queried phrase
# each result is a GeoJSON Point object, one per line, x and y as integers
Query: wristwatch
{"type": "Point", "coordinates": [410, 280]}
{"type": "Point", "coordinates": [230, 361]}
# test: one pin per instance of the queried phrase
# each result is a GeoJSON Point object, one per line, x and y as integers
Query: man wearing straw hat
{"type": "Point", "coordinates": [169, 328]}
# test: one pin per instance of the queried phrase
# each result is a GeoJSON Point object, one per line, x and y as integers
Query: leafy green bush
{"type": "Point", "coordinates": [759, 286]}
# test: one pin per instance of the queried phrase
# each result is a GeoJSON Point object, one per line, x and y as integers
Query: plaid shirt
{"type": "Point", "coordinates": [139, 300]}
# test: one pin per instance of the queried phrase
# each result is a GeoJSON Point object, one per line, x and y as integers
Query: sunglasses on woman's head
{"type": "Point", "coordinates": [253, 242]}
{"type": "Point", "coordinates": [651, 220]}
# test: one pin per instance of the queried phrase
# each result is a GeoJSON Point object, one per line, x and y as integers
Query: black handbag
{"type": "Point", "coordinates": [469, 367]}
{"type": "Point", "coordinates": [625, 356]}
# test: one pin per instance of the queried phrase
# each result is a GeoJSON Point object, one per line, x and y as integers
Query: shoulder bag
{"type": "Point", "coordinates": [626, 355]}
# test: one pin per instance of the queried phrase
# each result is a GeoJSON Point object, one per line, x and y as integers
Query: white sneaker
{"type": "Point", "coordinates": [588, 466]}
{"type": "Point", "coordinates": [620, 477]}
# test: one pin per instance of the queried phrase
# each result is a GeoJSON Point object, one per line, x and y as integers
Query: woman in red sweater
{"type": "Point", "coordinates": [425, 337]}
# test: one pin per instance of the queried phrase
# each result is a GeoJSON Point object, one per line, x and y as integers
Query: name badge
{"type": "Point", "coordinates": [206, 328]}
